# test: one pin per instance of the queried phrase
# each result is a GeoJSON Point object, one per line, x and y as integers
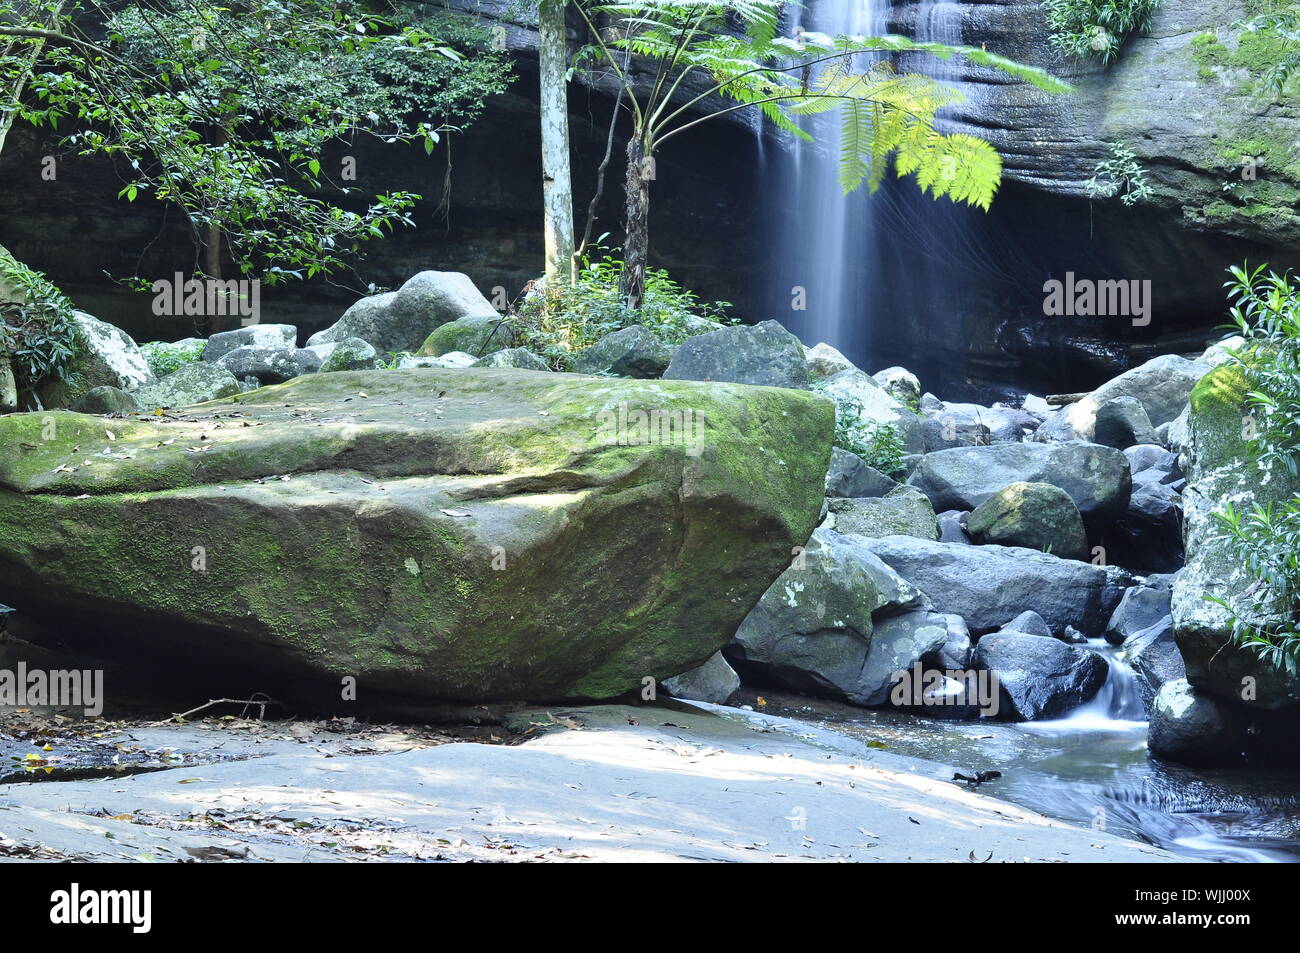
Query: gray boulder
{"type": "Point", "coordinates": [257, 335]}
{"type": "Point", "coordinates": [1033, 515]}
{"type": "Point", "coordinates": [191, 384]}
{"type": "Point", "coordinates": [987, 585]}
{"type": "Point", "coordinates": [1039, 677]}
{"type": "Point", "coordinates": [513, 357]}
{"type": "Point", "coordinates": [850, 476]}
{"type": "Point", "coordinates": [350, 354]}
{"type": "Point", "coordinates": [1028, 623]}
{"type": "Point", "coordinates": [812, 630]}
{"type": "Point", "coordinates": [1194, 727]}
{"type": "Point", "coordinates": [1141, 608]}
{"type": "Point", "coordinates": [902, 511]}
{"type": "Point", "coordinates": [452, 359]}
{"type": "Point", "coordinates": [764, 353]}
{"type": "Point", "coordinates": [1096, 478]}
{"type": "Point", "coordinates": [1162, 387]}
{"type": "Point", "coordinates": [824, 361]}
{"type": "Point", "coordinates": [105, 399]}
{"type": "Point", "coordinates": [270, 365]}
{"type": "Point", "coordinates": [947, 430]}
{"type": "Point", "coordinates": [1004, 424]}
{"type": "Point", "coordinates": [631, 352]}
{"type": "Point", "coordinates": [715, 681]}
{"type": "Point", "coordinates": [402, 320]}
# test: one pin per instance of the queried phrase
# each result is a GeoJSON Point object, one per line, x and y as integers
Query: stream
{"type": "Point", "coordinates": [1092, 768]}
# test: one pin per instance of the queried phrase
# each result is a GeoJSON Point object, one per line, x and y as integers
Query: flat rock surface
{"type": "Point", "coordinates": [605, 783]}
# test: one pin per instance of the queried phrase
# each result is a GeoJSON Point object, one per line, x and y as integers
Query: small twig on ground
{"type": "Point", "coordinates": [260, 702]}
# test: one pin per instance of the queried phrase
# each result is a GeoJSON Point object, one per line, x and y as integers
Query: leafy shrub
{"type": "Point", "coordinates": [560, 321]}
{"type": "Point", "coordinates": [164, 358]}
{"type": "Point", "coordinates": [1120, 175]}
{"type": "Point", "coordinates": [1096, 28]}
{"type": "Point", "coordinates": [1266, 539]}
{"type": "Point", "coordinates": [38, 332]}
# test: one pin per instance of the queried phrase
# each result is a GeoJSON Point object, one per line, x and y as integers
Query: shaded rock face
{"type": "Point", "coordinates": [715, 681]}
{"type": "Point", "coordinates": [1194, 727]}
{"type": "Point", "coordinates": [630, 352]}
{"type": "Point", "coordinates": [427, 532]}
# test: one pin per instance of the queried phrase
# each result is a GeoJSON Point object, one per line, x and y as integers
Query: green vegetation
{"type": "Point", "coordinates": [164, 358]}
{"type": "Point", "coordinates": [38, 332]}
{"type": "Point", "coordinates": [563, 319]}
{"type": "Point", "coordinates": [1086, 29]}
{"type": "Point", "coordinates": [1120, 175]}
{"type": "Point", "coordinates": [226, 112]}
{"type": "Point", "coordinates": [1266, 538]}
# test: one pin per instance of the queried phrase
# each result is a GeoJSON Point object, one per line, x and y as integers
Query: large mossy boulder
{"type": "Point", "coordinates": [106, 356]}
{"type": "Point", "coordinates": [1221, 467]}
{"type": "Point", "coordinates": [449, 534]}
{"type": "Point", "coordinates": [191, 384]}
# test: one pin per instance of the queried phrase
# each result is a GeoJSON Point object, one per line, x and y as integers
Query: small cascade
{"type": "Point", "coordinates": [1116, 707]}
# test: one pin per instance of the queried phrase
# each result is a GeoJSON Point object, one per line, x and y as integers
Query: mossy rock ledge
{"type": "Point", "coordinates": [450, 534]}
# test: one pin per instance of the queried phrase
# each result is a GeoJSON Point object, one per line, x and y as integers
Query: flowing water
{"type": "Point", "coordinates": [1092, 768]}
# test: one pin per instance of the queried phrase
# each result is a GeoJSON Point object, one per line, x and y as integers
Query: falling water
{"type": "Point", "coordinates": [823, 278]}
{"type": "Point", "coordinates": [866, 262]}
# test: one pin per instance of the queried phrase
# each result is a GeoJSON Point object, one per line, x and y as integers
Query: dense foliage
{"type": "Point", "coordinates": [562, 319]}
{"type": "Point", "coordinates": [1266, 538]}
{"type": "Point", "coordinates": [1086, 29]}
{"type": "Point", "coordinates": [38, 332]}
{"type": "Point", "coordinates": [226, 111]}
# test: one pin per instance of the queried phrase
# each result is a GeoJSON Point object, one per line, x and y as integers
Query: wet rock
{"type": "Point", "coordinates": [1028, 623]}
{"type": "Point", "coordinates": [1033, 515]}
{"type": "Point", "coordinates": [1155, 659]}
{"type": "Point", "coordinates": [1221, 466]}
{"type": "Point", "coordinates": [764, 353]}
{"type": "Point", "coordinates": [1194, 727]}
{"type": "Point", "coordinates": [631, 352]}
{"type": "Point", "coordinates": [1039, 677]}
{"type": "Point", "coordinates": [1141, 608]}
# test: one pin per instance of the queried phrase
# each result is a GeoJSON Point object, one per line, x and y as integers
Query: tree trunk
{"type": "Point", "coordinates": [557, 181]}
{"type": "Point", "coordinates": [636, 245]}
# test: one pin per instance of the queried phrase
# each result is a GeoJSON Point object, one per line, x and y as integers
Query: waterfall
{"type": "Point", "coordinates": [824, 240]}
{"type": "Point", "coordinates": [865, 262]}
